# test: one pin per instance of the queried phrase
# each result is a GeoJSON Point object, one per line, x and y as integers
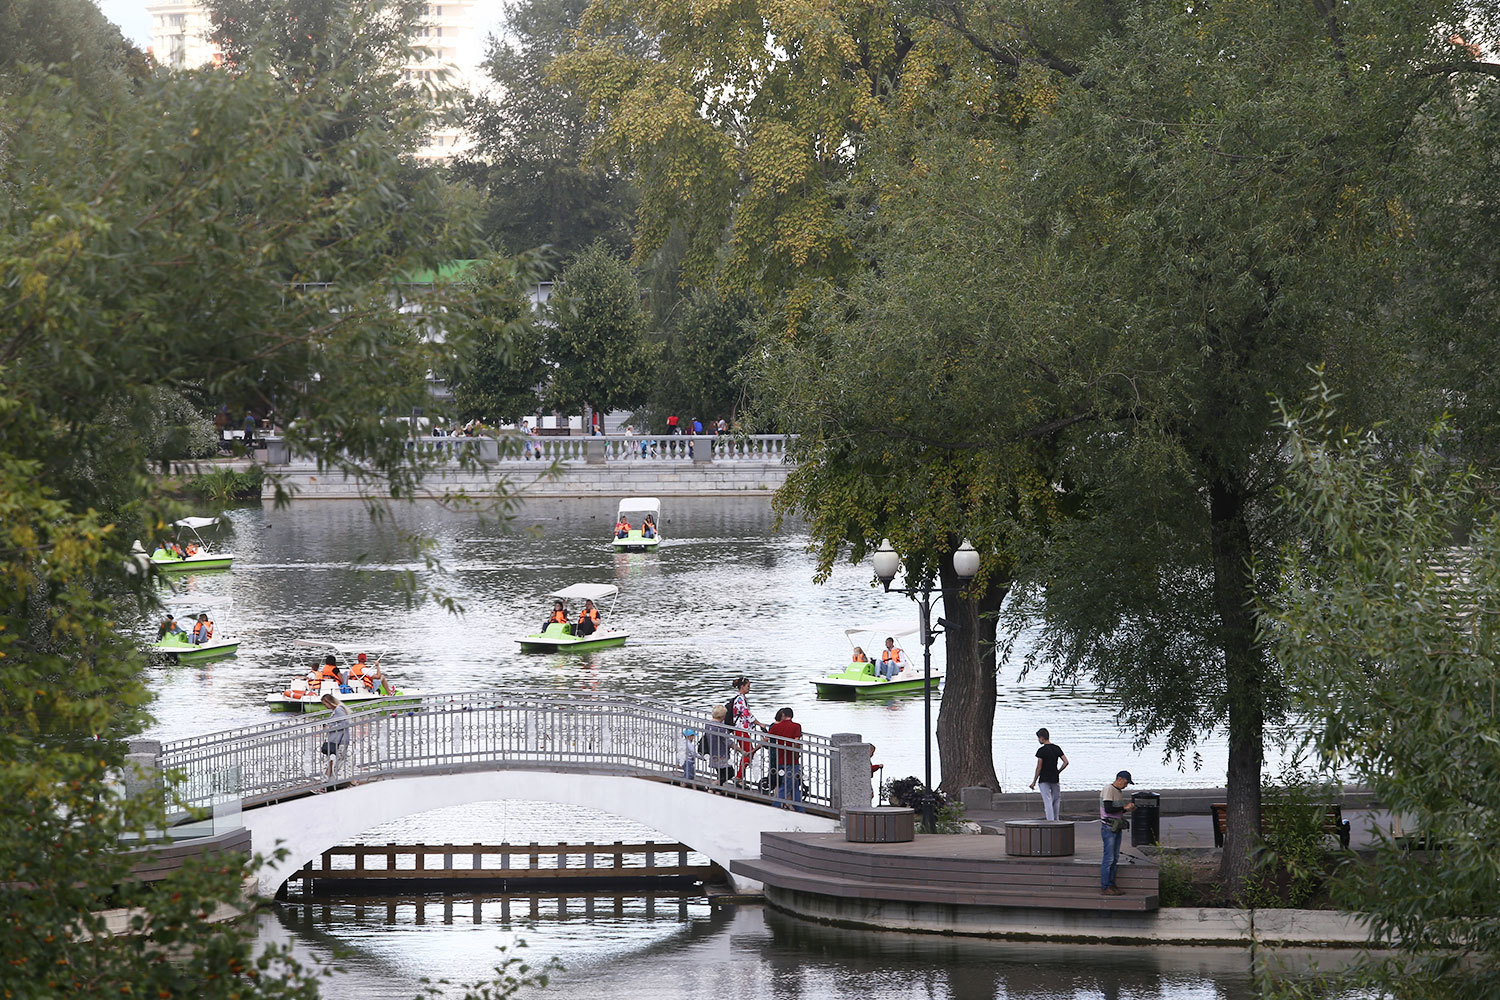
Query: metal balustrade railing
{"type": "Point", "coordinates": [448, 733]}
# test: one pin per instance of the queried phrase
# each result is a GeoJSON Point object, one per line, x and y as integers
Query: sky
{"type": "Point", "coordinates": [130, 15]}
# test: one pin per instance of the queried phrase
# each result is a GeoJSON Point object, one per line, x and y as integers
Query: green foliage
{"type": "Point", "coordinates": [947, 813]}
{"type": "Point", "coordinates": [531, 143]}
{"type": "Point", "coordinates": [1387, 622]}
{"type": "Point", "coordinates": [1293, 859]}
{"type": "Point", "coordinates": [1175, 879]}
{"type": "Point", "coordinates": [158, 246]}
{"type": "Point", "coordinates": [497, 378]}
{"type": "Point", "coordinates": [597, 339]}
{"type": "Point", "coordinates": [699, 370]}
{"type": "Point", "coordinates": [224, 486]}
{"type": "Point", "coordinates": [72, 38]}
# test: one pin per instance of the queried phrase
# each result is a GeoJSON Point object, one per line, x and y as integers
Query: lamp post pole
{"type": "Point", "coordinates": [965, 567]}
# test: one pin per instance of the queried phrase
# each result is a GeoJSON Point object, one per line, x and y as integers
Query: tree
{"type": "Point", "coordinates": [1152, 221]}
{"type": "Point", "coordinates": [498, 378]}
{"type": "Point", "coordinates": [597, 339]}
{"type": "Point", "coordinates": [531, 143]}
{"type": "Point", "coordinates": [157, 242]}
{"type": "Point", "coordinates": [701, 356]}
{"type": "Point", "coordinates": [1387, 630]}
{"type": "Point", "coordinates": [72, 38]}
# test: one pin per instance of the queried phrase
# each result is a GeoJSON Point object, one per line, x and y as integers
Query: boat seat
{"type": "Point", "coordinates": [558, 628]}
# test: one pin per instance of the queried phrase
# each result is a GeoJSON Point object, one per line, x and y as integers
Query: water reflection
{"type": "Point", "coordinates": [617, 947]}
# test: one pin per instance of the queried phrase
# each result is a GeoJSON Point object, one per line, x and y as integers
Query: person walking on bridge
{"type": "Point", "coordinates": [744, 722]}
{"type": "Point", "coordinates": [335, 733]}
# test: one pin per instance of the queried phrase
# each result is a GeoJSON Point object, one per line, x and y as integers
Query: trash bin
{"type": "Point", "coordinates": [1145, 820]}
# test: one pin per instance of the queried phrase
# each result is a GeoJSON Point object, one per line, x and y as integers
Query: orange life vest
{"type": "Point", "coordinates": [357, 672]}
{"type": "Point", "coordinates": [589, 614]}
{"type": "Point", "coordinates": [890, 656]}
{"type": "Point", "coordinates": [203, 631]}
{"type": "Point", "coordinates": [559, 616]}
{"type": "Point", "coordinates": [192, 549]}
{"type": "Point", "coordinates": [329, 672]}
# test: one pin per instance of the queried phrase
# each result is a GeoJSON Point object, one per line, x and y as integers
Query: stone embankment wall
{"type": "Point", "coordinates": [666, 479]}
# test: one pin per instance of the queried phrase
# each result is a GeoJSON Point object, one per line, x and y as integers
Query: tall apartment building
{"type": "Point", "coordinates": [455, 41]}
{"type": "Point", "coordinates": [180, 34]}
{"type": "Point", "coordinates": [450, 31]}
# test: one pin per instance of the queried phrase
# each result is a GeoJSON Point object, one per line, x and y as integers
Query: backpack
{"type": "Point", "coordinates": [729, 712]}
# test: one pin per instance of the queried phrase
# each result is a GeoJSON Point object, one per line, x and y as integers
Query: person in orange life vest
{"type": "Point", "coordinates": [648, 527]}
{"type": "Point", "coordinates": [192, 549]}
{"type": "Point", "coordinates": [859, 655]}
{"type": "Point", "coordinates": [328, 672]}
{"type": "Point", "coordinates": [559, 615]}
{"type": "Point", "coordinates": [203, 630]}
{"type": "Point", "coordinates": [622, 528]}
{"type": "Point", "coordinates": [168, 627]}
{"type": "Point", "coordinates": [588, 620]}
{"type": "Point", "coordinates": [890, 659]}
{"type": "Point", "coordinates": [360, 673]}
{"type": "Point", "coordinates": [176, 550]}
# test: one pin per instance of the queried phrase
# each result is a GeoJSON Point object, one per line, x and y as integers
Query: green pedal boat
{"type": "Point", "coordinates": [188, 552]}
{"type": "Point", "coordinates": [861, 678]}
{"type": "Point", "coordinates": [559, 637]}
{"type": "Point", "coordinates": [176, 648]}
{"type": "Point", "coordinates": [634, 511]}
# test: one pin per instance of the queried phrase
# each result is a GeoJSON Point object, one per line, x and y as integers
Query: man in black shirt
{"type": "Point", "coordinates": [1048, 772]}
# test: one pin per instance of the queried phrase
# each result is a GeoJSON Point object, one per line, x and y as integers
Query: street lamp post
{"type": "Point", "coordinates": [965, 566]}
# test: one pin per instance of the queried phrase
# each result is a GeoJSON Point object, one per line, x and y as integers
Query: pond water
{"type": "Point", "coordinates": [724, 595]}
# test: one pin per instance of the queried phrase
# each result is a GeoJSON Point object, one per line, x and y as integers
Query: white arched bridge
{"type": "Point", "coordinates": [617, 754]}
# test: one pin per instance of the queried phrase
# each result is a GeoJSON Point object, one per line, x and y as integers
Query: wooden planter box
{"type": "Point", "coordinates": [1039, 838]}
{"type": "Point", "coordinates": [879, 825]}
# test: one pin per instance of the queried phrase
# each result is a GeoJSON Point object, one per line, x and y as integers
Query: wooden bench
{"type": "Point", "coordinates": [1334, 823]}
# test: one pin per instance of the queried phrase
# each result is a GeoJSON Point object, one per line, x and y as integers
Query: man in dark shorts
{"type": "Point", "coordinates": [1048, 773]}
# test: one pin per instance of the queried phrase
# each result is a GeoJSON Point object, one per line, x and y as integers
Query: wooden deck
{"type": "Point", "coordinates": [953, 870]}
{"type": "Point", "coordinates": [504, 866]}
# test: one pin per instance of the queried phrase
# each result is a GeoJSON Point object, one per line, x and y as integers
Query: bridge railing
{"type": "Point", "coordinates": [488, 730]}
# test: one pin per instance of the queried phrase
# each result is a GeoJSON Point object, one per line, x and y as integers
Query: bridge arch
{"type": "Point", "coordinates": [721, 828]}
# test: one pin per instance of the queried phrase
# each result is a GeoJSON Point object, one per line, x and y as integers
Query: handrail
{"type": "Point", "coordinates": [471, 731]}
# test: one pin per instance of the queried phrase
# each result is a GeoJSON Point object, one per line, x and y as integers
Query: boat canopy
{"type": "Point", "coordinates": [196, 522]}
{"type": "Point", "coordinates": [641, 505]}
{"type": "Point", "coordinates": [586, 592]}
{"type": "Point", "coordinates": [347, 650]}
{"type": "Point", "coordinates": [883, 629]}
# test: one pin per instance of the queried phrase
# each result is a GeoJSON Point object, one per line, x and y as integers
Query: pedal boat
{"type": "Point", "coordinates": [180, 649]}
{"type": "Point", "coordinates": [559, 638]}
{"type": "Point", "coordinates": [863, 680]}
{"type": "Point", "coordinates": [639, 507]}
{"type": "Point", "coordinates": [166, 561]}
{"type": "Point", "coordinates": [302, 695]}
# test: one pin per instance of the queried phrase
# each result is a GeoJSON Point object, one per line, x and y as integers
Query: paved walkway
{"type": "Point", "coordinates": [1189, 832]}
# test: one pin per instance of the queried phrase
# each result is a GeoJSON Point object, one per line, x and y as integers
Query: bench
{"type": "Point", "coordinates": [1334, 823]}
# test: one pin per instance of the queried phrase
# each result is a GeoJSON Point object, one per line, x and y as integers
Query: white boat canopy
{"type": "Point", "coordinates": [883, 629]}
{"type": "Point", "coordinates": [347, 650]}
{"type": "Point", "coordinates": [195, 522]}
{"type": "Point", "coordinates": [641, 505]}
{"type": "Point", "coordinates": [586, 592]}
